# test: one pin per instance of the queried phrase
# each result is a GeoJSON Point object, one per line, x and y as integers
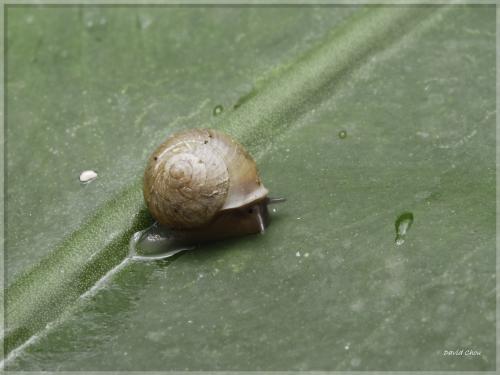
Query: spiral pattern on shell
{"type": "Point", "coordinates": [189, 181]}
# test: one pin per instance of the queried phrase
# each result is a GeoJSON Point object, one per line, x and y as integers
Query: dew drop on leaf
{"type": "Point", "coordinates": [155, 243]}
{"type": "Point", "coordinates": [218, 109]}
{"type": "Point", "coordinates": [403, 224]}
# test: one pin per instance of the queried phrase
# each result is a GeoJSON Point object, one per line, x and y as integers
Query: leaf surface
{"type": "Point", "coordinates": [326, 287]}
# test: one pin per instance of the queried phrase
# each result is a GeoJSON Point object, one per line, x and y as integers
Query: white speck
{"type": "Point", "coordinates": [274, 209]}
{"type": "Point", "coordinates": [53, 151]}
{"type": "Point", "coordinates": [306, 255]}
{"type": "Point", "coordinates": [287, 150]}
{"type": "Point", "coordinates": [297, 254]}
{"type": "Point", "coordinates": [299, 218]}
{"type": "Point", "coordinates": [29, 19]}
{"type": "Point", "coordinates": [400, 241]}
{"type": "Point", "coordinates": [155, 336]}
{"type": "Point", "coordinates": [145, 22]}
{"type": "Point", "coordinates": [357, 306]}
{"type": "Point", "coordinates": [88, 176]}
{"type": "Point", "coordinates": [423, 134]}
{"type": "Point", "coordinates": [90, 23]}
{"type": "Point", "coordinates": [190, 321]}
{"type": "Point", "coordinates": [347, 347]}
{"type": "Point", "coordinates": [103, 21]}
{"type": "Point", "coordinates": [355, 362]}
{"type": "Point", "coordinates": [421, 195]}
{"type": "Point", "coordinates": [125, 353]}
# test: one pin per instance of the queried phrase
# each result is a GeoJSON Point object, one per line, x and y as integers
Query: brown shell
{"type": "Point", "coordinates": [197, 173]}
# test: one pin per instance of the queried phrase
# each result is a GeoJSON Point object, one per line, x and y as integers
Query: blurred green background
{"type": "Point", "coordinates": [326, 287]}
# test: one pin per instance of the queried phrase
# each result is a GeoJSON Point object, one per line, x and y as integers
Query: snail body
{"type": "Point", "coordinates": [204, 185]}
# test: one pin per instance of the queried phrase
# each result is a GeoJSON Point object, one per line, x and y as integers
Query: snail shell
{"type": "Point", "coordinates": [203, 183]}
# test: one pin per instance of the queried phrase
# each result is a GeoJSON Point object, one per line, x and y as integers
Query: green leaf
{"type": "Point", "coordinates": [357, 116]}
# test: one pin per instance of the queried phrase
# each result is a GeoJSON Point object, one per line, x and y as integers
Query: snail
{"type": "Point", "coordinates": [203, 185]}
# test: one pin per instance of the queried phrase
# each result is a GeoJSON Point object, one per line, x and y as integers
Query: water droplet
{"type": "Point", "coordinates": [342, 134]}
{"type": "Point", "coordinates": [403, 224]}
{"type": "Point", "coordinates": [218, 109]}
{"type": "Point", "coordinates": [87, 176]}
{"type": "Point", "coordinates": [155, 243]}
{"type": "Point", "coordinates": [297, 254]}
